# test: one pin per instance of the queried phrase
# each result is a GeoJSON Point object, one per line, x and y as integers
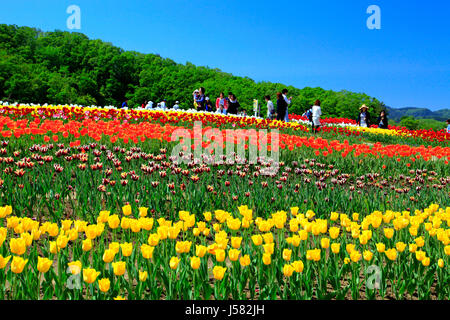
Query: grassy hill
{"type": "Point", "coordinates": [64, 67]}
{"type": "Point", "coordinates": [422, 113]}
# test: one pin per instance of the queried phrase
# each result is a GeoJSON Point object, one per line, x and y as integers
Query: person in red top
{"type": "Point", "coordinates": [222, 101]}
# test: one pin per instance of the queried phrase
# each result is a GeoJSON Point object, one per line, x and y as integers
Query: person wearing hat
{"type": "Point", "coordinates": [363, 117]}
{"type": "Point", "coordinates": [195, 95]}
{"type": "Point", "coordinates": [208, 104]}
{"type": "Point", "coordinates": [176, 105]}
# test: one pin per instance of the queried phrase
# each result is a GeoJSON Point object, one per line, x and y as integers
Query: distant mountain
{"type": "Point", "coordinates": [424, 113]}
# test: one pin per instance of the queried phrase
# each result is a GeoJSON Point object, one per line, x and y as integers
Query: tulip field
{"type": "Point", "coordinates": [93, 206]}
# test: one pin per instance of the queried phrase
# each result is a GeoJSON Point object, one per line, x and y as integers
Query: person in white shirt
{"type": "Point", "coordinates": [288, 101]}
{"type": "Point", "coordinates": [176, 105]}
{"type": "Point", "coordinates": [163, 104]}
{"type": "Point", "coordinates": [270, 108]}
{"type": "Point", "coordinates": [316, 113]}
{"type": "Point", "coordinates": [149, 105]}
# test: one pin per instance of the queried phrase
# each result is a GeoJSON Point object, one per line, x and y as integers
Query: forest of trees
{"type": "Point", "coordinates": [63, 67]}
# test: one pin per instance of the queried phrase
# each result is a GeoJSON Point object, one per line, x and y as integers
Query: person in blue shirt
{"type": "Point", "coordinates": [200, 100]}
{"type": "Point", "coordinates": [448, 126]}
{"type": "Point", "coordinates": [125, 104]}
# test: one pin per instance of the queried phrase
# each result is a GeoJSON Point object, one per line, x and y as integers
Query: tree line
{"type": "Point", "coordinates": [63, 67]}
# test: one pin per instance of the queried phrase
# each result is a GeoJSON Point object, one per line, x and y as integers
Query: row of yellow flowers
{"type": "Point", "coordinates": [287, 255]}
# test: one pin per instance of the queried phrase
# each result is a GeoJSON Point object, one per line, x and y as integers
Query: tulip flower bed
{"type": "Point", "coordinates": [221, 255]}
{"type": "Point", "coordinates": [94, 207]}
{"type": "Point", "coordinates": [346, 126]}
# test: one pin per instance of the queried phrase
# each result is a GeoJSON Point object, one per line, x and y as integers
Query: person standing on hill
{"type": "Point", "coordinates": [208, 105]}
{"type": "Point", "coordinates": [281, 107]}
{"type": "Point", "coordinates": [233, 104]}
{"type": "Point", "coordinates": [222, 103]}
{"type": "Point", "coordinates": [270, 108]}
{"type": "Point", "coordinates": [195, 95]}
{"type": "Point", "coordinates": [288, 101]}
{"type": "Point", "coordinates": [201, 99]}
{"type": "Point", "coordinates": [363, 117]}
{"type": "Point", "coordinates": [315, 116]}
{"type": "Point", "coordinates": [149, 105]}
{"type": "Point", "coordinates": [163, 104]}
{"type": "Point", "coordinates": [382, 120]}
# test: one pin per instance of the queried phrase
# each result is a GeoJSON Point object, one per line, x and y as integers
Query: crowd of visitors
{"type": "Point", "coordinates": [231, 106]}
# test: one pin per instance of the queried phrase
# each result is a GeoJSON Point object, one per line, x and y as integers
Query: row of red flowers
{"type": "Point", "coordinates": [141, 131]}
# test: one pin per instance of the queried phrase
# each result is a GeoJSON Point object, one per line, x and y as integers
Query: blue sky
{"type": "Point", "coordinates": [322, 43]}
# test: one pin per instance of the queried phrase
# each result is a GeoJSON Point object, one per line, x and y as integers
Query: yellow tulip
{"type": "Point", "coordinates": [104, 284]}
{"type": "Point", "coordinates": [368, 255]}
{"type": "Point", "coordinates": [195, 263]}
{"type": "Point", "coordinates": [335, 247]}
{"type": "Point", "coordinates": [298, 266]}
{"type": "Point", "coordinates": [113, 221]}
{"type": "Point", "coordinates": [127, 249]}
{"type": "Point", "coordinates": [153, 239]}
{"type": "Point", "coordinates": [200, 251]}
{"type": "Point", "coordinates": [440, 263]}
{"type": "Point", "coordinates": [4, 261]}
{"type": "Point", "coordinates": [245, 260]}
{"type": "Point", "coordinates": [381, 247]}
{"type": "Point", "coordinates": [115, 246]}
{"type": "Point", "coordinates": [147, 251]}
{"type": "Point", "coordinates": [420, 242]}
{"type": "Point", "coordinates": [288, 270]}
{"type": "Point", "coordinates": [174, 261]}
{"type": "Point", "coordinates": [87, 245]}
{"type": "Point", "coordinates": [119, 268]}
{"type": "Point", "coordinates": [400, 246]}
{"type": "Point", "coordinates": [334, 232]}
{"type": "Point", "coordinates": [355, 256]}
{"type": "Point", "coordinates": [313, 255]}
{"type": "Point", "coordinates": [143, 275]}
{"type": "Point", "coordinates": [325, 243]}
{"type": "Point", "coordinates": [269, 247]}
{"type": "Point", "coordinates": [126, 210]}
{"type": "Point", "coordinates": [219, 272]}
{"type": "Point", "coordinates": [109, 255]}
{"type": "Point", "coordinates": [267, 259]}
{"type": "Point", "coordinates": [90, 275]}
{"type": "Point", "coordinates": [420, 255]}
{"type": "Point", "coordinates": [236, 242]}
{"type": "Point", "coordinates": [391, 254]}
{"type": "Point", "coordinates": [44, 264]}
{"type": "Point", "coordinates": [18, 264]}
{"type": "Point", "coordinates": [75, 267]}
{"type": "Point", "coordinates": [91, 232]}
{"type": "Point", "coordinates": [287, 254]}
{"type": "Point", "coordinates": [268, 237]}
{"type": "Point", "coordinates": [233, 254]}
{"type": "Point", "coordinates": [143, 212]}
{"type": "Point", "coordinates": [17, 246]}
{"type": "Point", "coordinates": [220, 255]}
{"type": "Point", "coordinates": [103, 216]}
{"type": "Point", "coordinates": [257, 239]}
